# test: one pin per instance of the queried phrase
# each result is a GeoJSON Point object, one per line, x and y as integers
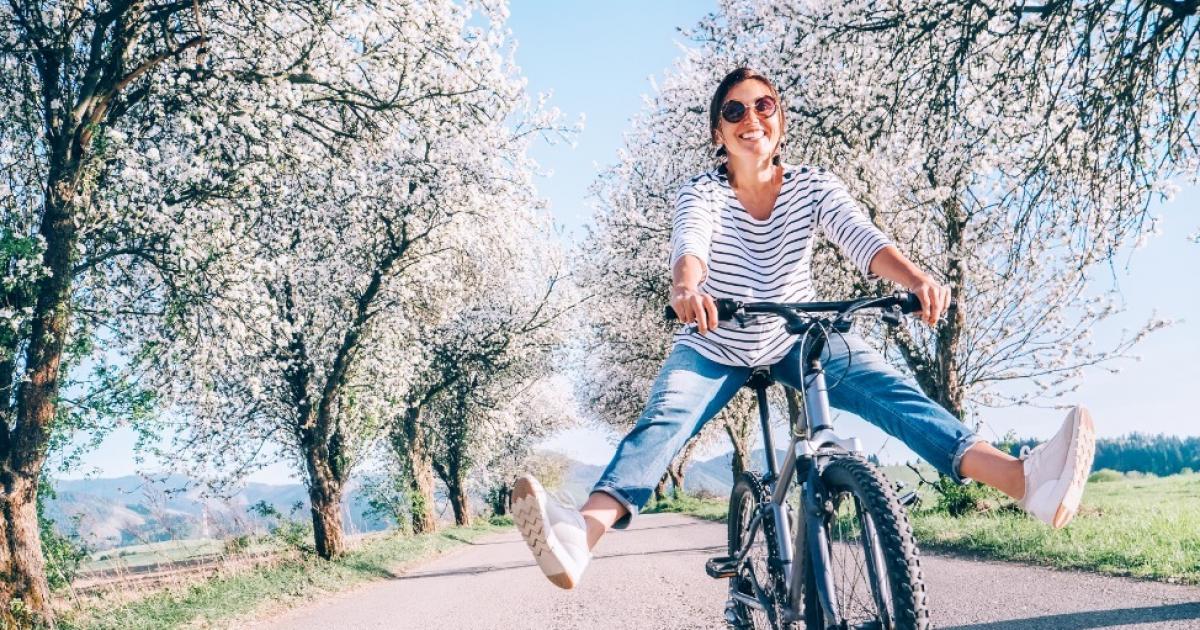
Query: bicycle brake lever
{"type": "Point", "coordinates": [891, 316]}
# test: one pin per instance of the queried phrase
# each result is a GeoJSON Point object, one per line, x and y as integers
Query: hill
{"type": "Point", "coordinates": [113, 512]}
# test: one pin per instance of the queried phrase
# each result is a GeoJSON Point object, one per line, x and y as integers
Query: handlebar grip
{"type": "Point", "coordinates": [725, 310]}
{"type": "Point", "coordinates": [910, 303]}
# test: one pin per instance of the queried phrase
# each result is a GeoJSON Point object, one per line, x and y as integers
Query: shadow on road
{"type": "Point", "coordinates": [508, 566]}
{"type": "Point", "coordinates": [1095, 618]}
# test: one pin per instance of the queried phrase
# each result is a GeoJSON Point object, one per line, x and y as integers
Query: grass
{"type": "Point", "coordinates": [1148, 528]}
{"type": "Point", "coordinates": [706, 508]}
{"type": "Point", "coordinates": [223, 599]}
{"type": "Point", "coordinates": [1145, 527]}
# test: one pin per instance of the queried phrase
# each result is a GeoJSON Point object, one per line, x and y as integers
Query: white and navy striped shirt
{"type": "Point", "coordinates": [756, 261]}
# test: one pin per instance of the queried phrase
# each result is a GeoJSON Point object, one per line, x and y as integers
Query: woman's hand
{"type": "Point", "coordinates": [935, 298]}
{"type": "Point", "coordinates": [692, 306]}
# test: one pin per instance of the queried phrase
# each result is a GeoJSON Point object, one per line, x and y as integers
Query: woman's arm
{"type": "Point", "coordinates": [689, 303]}
{"type": "Point", "coordinates": [889, 263]}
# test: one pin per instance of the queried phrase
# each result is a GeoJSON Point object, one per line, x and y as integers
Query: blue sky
{"type": "Point", "coordinates": [598, 58]}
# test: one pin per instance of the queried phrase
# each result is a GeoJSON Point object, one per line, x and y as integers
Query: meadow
{"type": "Point", "coordinates": [1128, 525]}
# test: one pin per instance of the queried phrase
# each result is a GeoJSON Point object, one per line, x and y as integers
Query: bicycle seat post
{"type": "Point", "coordinates": [760, 379]}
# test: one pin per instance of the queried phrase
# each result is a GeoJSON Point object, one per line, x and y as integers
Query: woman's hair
{"type": "Point", "coordinates": [718, 99]}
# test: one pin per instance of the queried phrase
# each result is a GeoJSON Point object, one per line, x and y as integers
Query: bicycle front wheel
{"type": "Point", "coordinates": [873, 569]}
{"type": "Point", "coordinates": [758, 593]}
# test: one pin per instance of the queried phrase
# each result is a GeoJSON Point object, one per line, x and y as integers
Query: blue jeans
{"type": "Point", "coordinates": [691, 389]}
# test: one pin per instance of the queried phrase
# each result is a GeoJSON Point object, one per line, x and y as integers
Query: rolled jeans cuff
{"type": "Point", "coordinates": [964, 445]}
{"type": "Point", "coordinates": [616, 493]}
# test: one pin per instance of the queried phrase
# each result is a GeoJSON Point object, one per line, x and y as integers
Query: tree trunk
{"type": "Point", "coordinates": [21, 565]}
{"type": "Point", "coordinates": [327, 521]}
{"type": "Point", "coordinates": [325, 495]}
{"type": "Point", "coordinates": [660, 490]}
{"type": "Point", "coordinates": [741, 450]}
{"type": "Point", "coordinates": [418, 462]}
{"type": "Point", "coordinates": [950, 334]}
{"type": "Point", "coordinates": [458, 502]}
{"type": "Point", "coordinates": [23, 448]}
{"type": "Point", "coordinates": [676, 474]}
{"type": "Point", "coordinates": [795, 416]}
{"type": "Point", "coordinates": [500, 497]}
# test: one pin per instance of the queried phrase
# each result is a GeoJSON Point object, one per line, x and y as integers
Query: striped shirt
{"type": "Point", "coordinates": [757, 261]}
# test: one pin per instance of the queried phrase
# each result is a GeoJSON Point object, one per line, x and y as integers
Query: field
{"type": "Point", "coordinates": [1146, 527]}
{"type": "Point", "coordinates": [239, 591]}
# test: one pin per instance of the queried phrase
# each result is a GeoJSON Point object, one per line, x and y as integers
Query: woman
{"type": "Point", "coordinates": [743, 231]}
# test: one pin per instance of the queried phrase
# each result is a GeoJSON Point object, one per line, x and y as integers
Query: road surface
{"type": "Point", "coordinates": [651, 576]}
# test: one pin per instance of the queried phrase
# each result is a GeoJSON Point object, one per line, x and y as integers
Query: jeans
{"type": "Point", "coordinates": [691, 389]}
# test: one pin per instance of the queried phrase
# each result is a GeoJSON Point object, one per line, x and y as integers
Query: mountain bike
{"type": "Point", "coordinates": [824, 541]}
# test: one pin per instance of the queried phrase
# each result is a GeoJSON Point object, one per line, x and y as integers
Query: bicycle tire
{"type": "Point", "coordinates": [760, 569]}
{"type": "Point", "coordinates": [852, 488]}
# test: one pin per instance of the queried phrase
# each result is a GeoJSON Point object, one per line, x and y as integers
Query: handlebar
{"type": "Point", "coordinates": [727, 308]}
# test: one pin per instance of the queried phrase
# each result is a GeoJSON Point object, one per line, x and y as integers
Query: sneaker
{"type": "Point", "coordinates": [1057, 470]}
{"type": "Point", "coordinates": [554, 532]}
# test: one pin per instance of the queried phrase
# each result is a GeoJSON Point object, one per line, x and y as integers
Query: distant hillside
{"type": "Point", "coordinates": [713, 476]}
{"type": "Point", "coordinates": [106, 513]}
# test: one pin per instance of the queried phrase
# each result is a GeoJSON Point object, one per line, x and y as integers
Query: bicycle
{"type": "Point", "coordinates": [859, 565]}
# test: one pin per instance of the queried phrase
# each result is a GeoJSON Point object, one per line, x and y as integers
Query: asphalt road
{"type": "Point", "coordinates": [651, 576]}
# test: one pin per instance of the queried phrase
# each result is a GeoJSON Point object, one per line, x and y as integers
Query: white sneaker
{"type": "Point", "coordinates": [555, 533]}
{"type": "Point", "coordinates": [1057, 470]}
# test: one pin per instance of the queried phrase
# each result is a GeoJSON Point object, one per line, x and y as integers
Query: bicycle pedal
{"type": "Point", "coordinates": [721, 567]}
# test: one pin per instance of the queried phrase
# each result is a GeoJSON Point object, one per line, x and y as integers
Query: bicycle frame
{"type": "Point", "coordinates": [803, 456]}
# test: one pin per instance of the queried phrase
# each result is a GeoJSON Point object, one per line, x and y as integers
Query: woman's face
{"type": "Point", "coordinates": [756, 135]}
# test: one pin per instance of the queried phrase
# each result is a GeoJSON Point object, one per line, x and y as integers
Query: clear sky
{"type": "Point", "coordinates": [598, 58]}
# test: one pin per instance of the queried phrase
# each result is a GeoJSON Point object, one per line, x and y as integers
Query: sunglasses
{"type": "Point", "coordinates": [734, 111]}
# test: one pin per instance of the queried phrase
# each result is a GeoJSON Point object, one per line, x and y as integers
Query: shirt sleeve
{"type": "Point", "coordinates": [848, 226]}
{"type": "Point", "coordinates": [692, 225]}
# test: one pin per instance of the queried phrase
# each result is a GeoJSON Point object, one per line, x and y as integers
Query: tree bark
{"type": "Point", "coordinates": [949, 336]}
{"type": "Point", "coordinates": [325, 497]}
{"type": "Point", "coordinates": [412, 451]}
{"type": "Point", "coordinates": [660, 489]}
{"type": "Point", "coordinates": [458, 502]}
{"type": "Point", "coordinates": [501, 495]}
{"type": "Point", "coordinates": [23, 448]}
{"type": "Point", "coordinates": [741, 450]}
{"type": "Point", "coordinates": [21, 563]}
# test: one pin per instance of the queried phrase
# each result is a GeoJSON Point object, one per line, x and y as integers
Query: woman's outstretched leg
{"type": "Point", "coordinates": [1047, 481]}
{"type": "Point", "coordinates": [689, 391]}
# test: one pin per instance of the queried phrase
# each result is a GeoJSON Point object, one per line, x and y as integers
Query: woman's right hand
{"type": "Point", "coordinates": [692, 306]}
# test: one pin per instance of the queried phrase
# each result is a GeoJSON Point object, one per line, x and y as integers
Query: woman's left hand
{"type": "Point", "coordinates": [935, 299]}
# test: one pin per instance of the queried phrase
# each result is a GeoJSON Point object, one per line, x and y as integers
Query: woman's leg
{"type": "Point", "coordinates": [1048, 482]}
{"type": "Point", "coordinates": [600, 512]}
{"type": "Point", "coordinates": [862, 382]}
{"type": "Point", "coordinates": [987, 464]}
{"type": "Point", "coordinates": [690, 390]}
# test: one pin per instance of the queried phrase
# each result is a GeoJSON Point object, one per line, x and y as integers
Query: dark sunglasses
{"type": "Point", "coordinates": [734, 111]}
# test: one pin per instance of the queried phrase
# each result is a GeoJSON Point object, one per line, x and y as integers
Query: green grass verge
{"type": "Point", "coordinates": [1139, 527]}
{"type": "Point", "coordinates": [1144, 527]}
{"type": "Point", "coordinates": [707, 508]}
{"type": "Point", "coordinates": [223, 599]}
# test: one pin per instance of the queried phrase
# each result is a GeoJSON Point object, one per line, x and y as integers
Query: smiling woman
{"type": "Point", "coordinates": [743, 231]}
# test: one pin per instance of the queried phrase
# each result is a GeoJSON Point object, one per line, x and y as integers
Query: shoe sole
{"type": "Point", "coordinates": [1083, 446]}
{"type": "Point", "coordinates": [530, 520]}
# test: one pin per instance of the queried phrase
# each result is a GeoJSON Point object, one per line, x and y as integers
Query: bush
{"type": "Point", "coordinates": [1105, 475]}
{"type": "Point", "coordinates": [957, 499]}
{"type": "Point", "coordinates": [62, 554]}
{"type": "Point", "coordinates": [236, 544]}
{"type": "Point", "coordinates": [504, 520]}
{"type": "Point", "coordinates": [287, 530]}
